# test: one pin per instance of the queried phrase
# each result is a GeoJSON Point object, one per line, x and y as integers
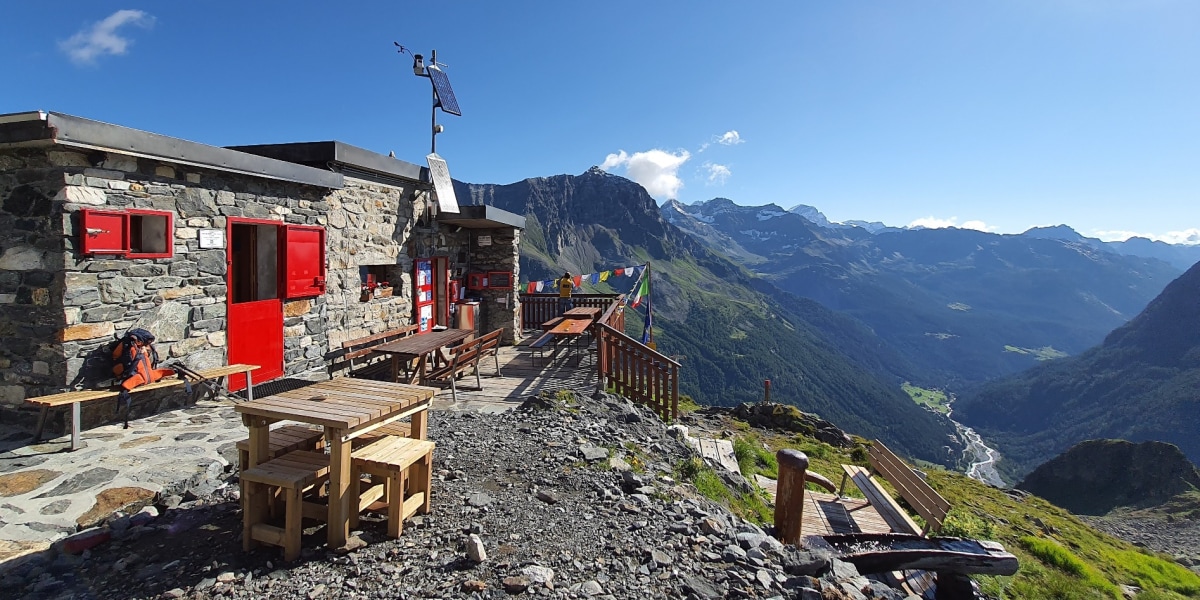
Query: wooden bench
{"type": "Point", "coordinates": [925, 501]}
{"type": "Point", "coordinates": [463, 357]}
{"type": "Point", "coordinates": [396, 460]}
{"type": "Point", "coordinates": [359, 357]}
{"type": "Point", "coordinates": [539, 345]}
{"type": "Point", "coordinates": [489, 345]}
{"type": "Point", "coordinates": [208, 380]}
{"type": "Point", "coordinates": [293, 473]}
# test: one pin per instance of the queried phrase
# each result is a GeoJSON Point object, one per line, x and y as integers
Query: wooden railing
{"type": "Point", "coordinates": [539, 308]}
{"type": "Point", "coordinates": [623, 364]}
{"type": "Point", "coordinates": [634, 371]}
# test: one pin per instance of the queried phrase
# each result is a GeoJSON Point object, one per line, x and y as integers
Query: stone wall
{"type": "Point", "coordinates": [499, 308]}
{"type": "Point", "coordinates": [31, 280]}
{"type": "Point", "coordinates": [59, 309]}
{"type": "Point", "coordinates": [89, 299]}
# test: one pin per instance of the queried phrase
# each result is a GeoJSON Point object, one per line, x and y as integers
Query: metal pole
{"type": "Point", "coordinates": [433, 110]}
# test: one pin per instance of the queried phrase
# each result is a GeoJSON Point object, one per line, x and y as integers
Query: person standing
{"type": "Point", "coordinates": [566, 286]}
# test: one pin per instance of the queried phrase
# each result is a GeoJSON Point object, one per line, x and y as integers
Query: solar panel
{"type": "Point", "coordinates": [441, 86]}
{"type": "Point", "coordinates": [439, 171]}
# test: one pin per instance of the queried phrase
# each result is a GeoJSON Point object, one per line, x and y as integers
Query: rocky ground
{"type": "Point", "coordinates": [1177, 537]}
{"type": "Point", "coordinates": [564, 498]}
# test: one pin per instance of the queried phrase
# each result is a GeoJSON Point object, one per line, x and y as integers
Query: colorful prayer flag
{"type": "Point", "coordinates": [531, 288]}
{"type": "Point", "coordinates": [541, 285]}
{"type": "Point", "coordinates": [643, 290]}
{"type": "Point", "coordinates": [594, 278]}
{"type": "Point", "coordinates": [604, 275]}
{"type": "Point", "coordinates": [577, 280]}
{"type": "Point", "coordinates": [618, 272]}
{"type": "Point", "coordinates": [647, 328]}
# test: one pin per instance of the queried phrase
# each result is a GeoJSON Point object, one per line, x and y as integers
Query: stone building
{"type": "Point", "coordinates": [261, 254]}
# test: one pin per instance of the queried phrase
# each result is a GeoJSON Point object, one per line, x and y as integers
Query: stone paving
{"type": "Point", "coordinates": [48, 492]}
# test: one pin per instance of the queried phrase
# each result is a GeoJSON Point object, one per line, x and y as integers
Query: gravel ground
{"type": "Point", "coordinates": [567, 499]}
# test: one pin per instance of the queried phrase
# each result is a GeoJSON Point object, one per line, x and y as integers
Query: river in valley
{"type": "Point", "coordinates": [980, 457]}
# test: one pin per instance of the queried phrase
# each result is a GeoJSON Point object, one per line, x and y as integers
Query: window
{"type": "Point", "coordinates": [132, 233]}
{"type": "Point", "coordinates": [305, 261]}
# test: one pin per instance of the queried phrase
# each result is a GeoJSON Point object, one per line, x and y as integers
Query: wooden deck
{"type": "Point", "coordinates": [522, 374]}
{"type": "Point", "coordinates": [826, 514]}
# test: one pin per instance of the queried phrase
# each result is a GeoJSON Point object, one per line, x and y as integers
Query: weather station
{"type": "Point", "coordinates": [443, 98]}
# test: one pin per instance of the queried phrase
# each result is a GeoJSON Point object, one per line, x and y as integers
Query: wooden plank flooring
{"type": "Point", "coordinates": [522, 374]}
{"type": "Point", "coordinates": [826, 514]}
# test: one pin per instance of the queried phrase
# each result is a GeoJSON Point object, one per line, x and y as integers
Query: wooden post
{"type": "Point", "coordinates": [766, 391]}
{"type": "Point", "coordinates": [789, 497]}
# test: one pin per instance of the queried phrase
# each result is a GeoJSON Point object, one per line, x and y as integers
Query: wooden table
{"type": "Point", "coordinates": [420, 347]}
{"type": "Point", "coordinates": [583, 312]}
{"type": "Point", "coordinates": [346, 408]}
{"type": "Point", "coordinates": [569, 329]}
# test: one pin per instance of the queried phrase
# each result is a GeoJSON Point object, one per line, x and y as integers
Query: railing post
{"type": "Point", "coordinates": [789, 495]}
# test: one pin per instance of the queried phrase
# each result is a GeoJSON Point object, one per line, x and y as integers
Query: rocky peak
{"type": "Point", "coordinates": [1096, 476]}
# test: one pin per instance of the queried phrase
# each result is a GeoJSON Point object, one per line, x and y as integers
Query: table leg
{"type": "Point", "coordinates": [339, 489]}
{"type": "Point", "coordinates": [395, 368]}
{"type": "Point", "coordinates": [419, 373]}
{"type": "Point", "coordinates": [419, 425]}
{"type": "Point", "coordinates": [255, 496]}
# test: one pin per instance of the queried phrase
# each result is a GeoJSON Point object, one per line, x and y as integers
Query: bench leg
{"type": "Point", "coordinates": [423, 480]}
{"type": "Point", "coordinates": [254, 511]}
{"type": "Point", "coordinates": [395, 501]}
{"type": "Point", "coordinates": [249, 387]}
{"type": "Point", "coordinates": [41, 426]}
{"type": "Point", "coordinates": [292, 520]}
{"type": "Point", "coordinates": [76, 443]}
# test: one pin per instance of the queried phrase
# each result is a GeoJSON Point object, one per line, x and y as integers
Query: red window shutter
{"type": "Point", "coordinates": [103, 232]}
{"type": "Point", "coordinates": [304, 266]}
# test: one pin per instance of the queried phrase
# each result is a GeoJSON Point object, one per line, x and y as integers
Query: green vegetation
{"type": "Point", "coordinates": [687, 405]}
{"type": "Point", "coordinates": [1060, 555]}
{"type": "Point", "coordinates": [935, 400]}
{"type": "Point", "coordinates": [753, 459]}
{"type": "Point", "coordinates": [1043, 353]}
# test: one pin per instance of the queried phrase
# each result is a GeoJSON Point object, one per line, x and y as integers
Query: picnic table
{"type": "Point", "coordinates": [583, 312]}
{"type": "Point", "coordinates": [346, 408]}
{"type": "Point", "coordinates": [420, 347]}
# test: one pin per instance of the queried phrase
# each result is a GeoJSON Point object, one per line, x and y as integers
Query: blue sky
{"type": "Point", "coordinates": [993, 115]}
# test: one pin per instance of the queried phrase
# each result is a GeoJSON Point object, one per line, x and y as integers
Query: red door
{"type": "Point", "coordinates": [255, 311]}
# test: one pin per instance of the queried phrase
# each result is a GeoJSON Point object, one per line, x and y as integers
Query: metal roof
{"type": "Point", "coordinates": [35, 128]}
{"type": "Point", "coordinates": [481, 217]}
{"type": "Point", "coordinates": [340, 156]}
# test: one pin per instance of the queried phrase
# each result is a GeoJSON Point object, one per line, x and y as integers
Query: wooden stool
{"type": "Point", "coordinates": [395, 459]}
{"type": "Point", "coordinates": [393, 429]}
{"type": "Point", "coordinates": [283, 440]}
{"type": "Point", "coordinates": [292, 473]}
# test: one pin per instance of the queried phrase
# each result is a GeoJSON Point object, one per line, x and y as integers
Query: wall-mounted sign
{"type": "Point", "coordinates": [484, 240]}
{"type": "Point", "coordinates": [212, 238]}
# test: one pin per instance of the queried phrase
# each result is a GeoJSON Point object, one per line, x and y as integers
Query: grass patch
{"type": "Point", "coordinates": [1052, 554]}
{"type": "Point", "coordinates": [935, 400]}
{"type": "Point", "coordinates": [753, 458]}
{"type": "Point", "coordinates": [1151, 572]}
{"type": "Point", "coordinates": [687, 404]}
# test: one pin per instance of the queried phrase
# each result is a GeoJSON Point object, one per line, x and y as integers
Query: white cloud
{"type": "Point", "coordinates": [101, 38]}
{"type": "Point", "coordinates": [656, 170]}
{"type": "Point", "coordinates": [1186, 236]}
{"type": "Point", "coordinates": [936, 223]}
{"type": "Point", "coordinates": [717, 174]}
{"type": "Point", "coordinates": [730, 138]}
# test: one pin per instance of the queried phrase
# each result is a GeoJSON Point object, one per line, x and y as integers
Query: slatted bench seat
{"type": "Point", "coordinates": [292, 473]}
{"type": "Point", "coordinates": [396, 460]}
{"type": "Point", "coordinates": [359, 357]}
{"type": "Point", "coordinates": [930, 505]}
{"type": "Point", "coordinates": [539, 345]}
{"type": "Point", "coordinates": [209, 380]}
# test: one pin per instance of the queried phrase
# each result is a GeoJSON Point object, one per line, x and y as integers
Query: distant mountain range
{"type": "Point", "coordinates": [730, 329]}
{"type": "Point", "coordinates": [837, 315]}
{"type": "Point", "coordinates": [962, 306]}
{"type": "Point", "coordinates": [1141, 383]}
